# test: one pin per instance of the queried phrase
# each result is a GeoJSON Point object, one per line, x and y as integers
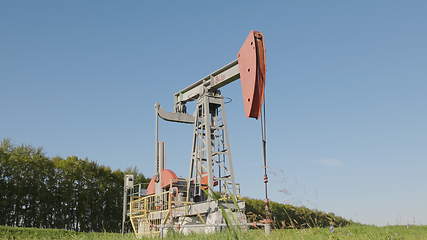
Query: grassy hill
{"type": "Point", "coordinates": [288, 216]}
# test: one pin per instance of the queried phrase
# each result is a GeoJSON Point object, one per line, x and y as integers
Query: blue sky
{"type": "Point", "coordinates": [346, 92]}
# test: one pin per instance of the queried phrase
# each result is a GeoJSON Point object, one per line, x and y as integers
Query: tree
{"type": "Point", "coordinates": [71, 193]}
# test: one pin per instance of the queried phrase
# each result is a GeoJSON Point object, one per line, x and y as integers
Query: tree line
{"type": "Point", "coordinates": [78, 194]}
{"type": "Point", "coordinates": [68, 193]}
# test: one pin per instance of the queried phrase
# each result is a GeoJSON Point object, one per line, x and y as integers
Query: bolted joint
{"type": "Point", "coordinates": [180, 107]}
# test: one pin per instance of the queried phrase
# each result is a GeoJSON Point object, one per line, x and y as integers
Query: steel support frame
{"type": "Point", "coordinates": [211, 152]}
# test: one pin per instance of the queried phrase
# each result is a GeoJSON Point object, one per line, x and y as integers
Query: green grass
{"type": "Point", "coordinates": [15, 233]}
{"type": "Point", "coordinates": [359, 232]}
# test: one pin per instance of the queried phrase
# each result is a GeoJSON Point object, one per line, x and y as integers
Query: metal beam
{"type": "Point", "coordinates": [215, 80]}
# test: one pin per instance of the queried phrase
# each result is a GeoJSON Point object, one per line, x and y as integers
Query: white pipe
{"type": "Point", "coordinates": [161, 156]}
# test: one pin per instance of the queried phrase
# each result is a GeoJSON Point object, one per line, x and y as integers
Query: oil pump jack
{"type": "Point", "coordinates": [200, 202]}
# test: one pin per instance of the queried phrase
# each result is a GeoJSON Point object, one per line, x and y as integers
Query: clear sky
{"type": "Point", "coordinates": [346, 92]}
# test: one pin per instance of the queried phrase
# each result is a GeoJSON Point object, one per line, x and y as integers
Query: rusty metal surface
{"type": "Point", "coordinates": [251, 59]}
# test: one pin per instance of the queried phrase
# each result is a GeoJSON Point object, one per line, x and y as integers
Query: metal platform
{"type": "Point", "coordinates": [155, 215]}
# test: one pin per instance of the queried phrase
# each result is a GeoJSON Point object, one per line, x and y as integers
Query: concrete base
{"type": "Point", "coordinates": [206, 217]}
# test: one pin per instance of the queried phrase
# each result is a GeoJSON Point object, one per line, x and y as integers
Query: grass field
{"type": "Point", "coordinates": [345, 233]}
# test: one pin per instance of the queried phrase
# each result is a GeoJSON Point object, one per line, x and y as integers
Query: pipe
{"type": "Point", "coordinates": [161, 156]}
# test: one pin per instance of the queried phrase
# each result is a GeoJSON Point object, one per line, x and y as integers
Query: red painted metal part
{"type": "Point", "coordinates": [205, 181]}
{"type": "Point", "coordinates": [251, 59]}
{"type": "Point", "coordinates": [168, 176]}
